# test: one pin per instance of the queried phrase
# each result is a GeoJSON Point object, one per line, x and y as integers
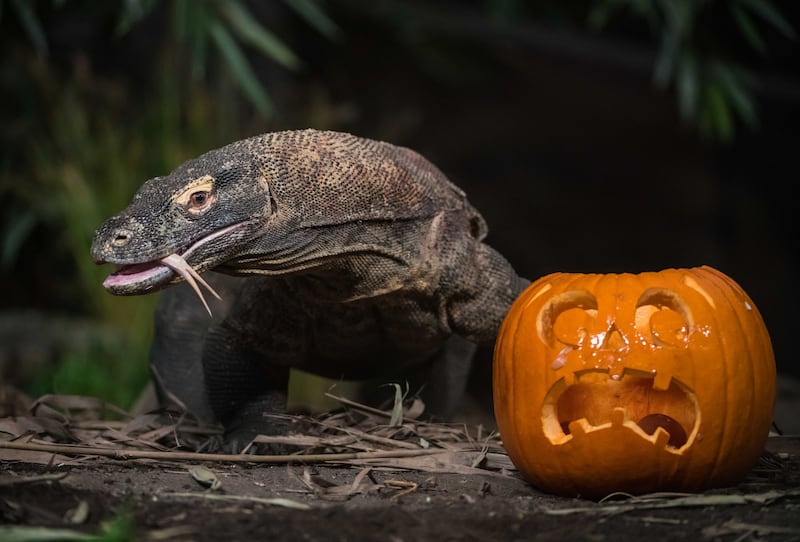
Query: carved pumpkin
{"type": "Point", "coordinates": [636, 383]}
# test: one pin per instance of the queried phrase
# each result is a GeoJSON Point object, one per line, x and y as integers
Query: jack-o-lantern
{"type": "Point", "coordinates": [634, 382]}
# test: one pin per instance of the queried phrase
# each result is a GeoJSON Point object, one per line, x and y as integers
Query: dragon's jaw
{"type": "Point", "coordinates": [139, 278]}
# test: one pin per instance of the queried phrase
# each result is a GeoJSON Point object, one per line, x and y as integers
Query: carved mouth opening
{"type": "Point", "coordinates": [596, 401]}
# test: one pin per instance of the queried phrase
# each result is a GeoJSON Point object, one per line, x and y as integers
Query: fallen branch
{"type": "Point", "coordinates": [687, 501]}
{"type": "Point", "coordinates": [358, 406]}
{"type": "Point", "coordinates": [67, 449]}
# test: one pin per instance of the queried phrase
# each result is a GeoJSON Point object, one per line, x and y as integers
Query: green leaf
{"type": "Point", "coordinates": [242, 21]}
{"type": "Point", "coordinates": [119, 528]}
{"type": "Point", "coordinates": [240, 67]}
{"type": "Point", "coordinates": [31, 24]}
{"type": "Point", "coordinates": [192, 20]}
{"type": "Point", "coordinates": [134, 11]}
{"type": "Point", "coordinates": [311, 12]}
{"type": "Point", "coordinates": [397, 408]}
{"type": "Point", "coordinates": [687, 86]}
{"type": "Point", "coordinates": [664, 69]}
{"type": "Point", "coordinates": [19, 228]}
{"type": "Point", "coordinates": [751, 33]}
{"type": "Point", "coordinates": [733, 83]}
{"type": "Point", "coordinates": [600, 14]}
{"type": "Point", "coordinates": [41, 534]}
{"type": "Point", "coordinates": [715, 117]}
{"type": "Point", "coordinates": [678, 15]}
{"type": "Point", "coordinates": [198, 38]}
{"type": "Point", "coordinates": [767, 11]}
{"type": "Point", "coordinates": [190, 23]}
{"type": "Point", "coordinates": [643, 8]}
{"type": "Point", "coordinates": [181, 18]}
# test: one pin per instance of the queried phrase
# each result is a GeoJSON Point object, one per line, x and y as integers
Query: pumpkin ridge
{"type": "Point", "coordinates": [734, 298]}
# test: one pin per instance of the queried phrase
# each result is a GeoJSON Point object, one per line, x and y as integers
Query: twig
{"type": "Point", "coordinates": [359, 434]}
{"type": "Point", "coordinates": [679, 502]}
{"type": "Point", "coordinates": [358, 406]}
{"type": "Point", "coordinates": [67, 449]}
{"type": "Point", "coordinates": [404, 486]}
{"type": "Point", "coordinates": [33, 479]}
{"type": "Point", "coordinates": [277, 501]}
{"type": "Point", "coordinates": [749, 528]}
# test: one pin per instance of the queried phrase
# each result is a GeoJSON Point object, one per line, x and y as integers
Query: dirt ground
{"type": "Point", "coordinates": [472, 492]}
{"type": "Point", "coordinates": [167, 504]}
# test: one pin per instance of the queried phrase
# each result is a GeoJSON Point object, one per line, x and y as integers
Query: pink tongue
{"type": "Point", "coordinates": [131, 274]}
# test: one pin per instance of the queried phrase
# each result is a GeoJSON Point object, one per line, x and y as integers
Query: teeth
{"type": "Point", "coordinates": [618, 416]}
{"type": "Point", "coordinates": [615, 371]}
{"type": "Point", "coordinates": [662, 437]}
{"type": "Point", "coordinates": [661, 381]}
{"type": "Point", "coordinates": [578, 427]}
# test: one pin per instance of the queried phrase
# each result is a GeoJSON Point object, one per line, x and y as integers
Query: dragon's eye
{"type": "Point", "coordinates": [198, 196]}
{"type": "Point", "coordinates": [198, 199]}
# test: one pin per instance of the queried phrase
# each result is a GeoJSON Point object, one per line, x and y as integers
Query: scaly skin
{"type": "Point", "coordinates": [360, 259]}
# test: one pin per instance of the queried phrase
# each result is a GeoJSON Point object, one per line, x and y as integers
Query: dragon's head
{"type": "Point", "coordinates": [185, 223]}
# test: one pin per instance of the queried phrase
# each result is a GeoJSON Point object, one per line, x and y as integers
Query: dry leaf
{"type": "Point", "coordinates": [205, 477]}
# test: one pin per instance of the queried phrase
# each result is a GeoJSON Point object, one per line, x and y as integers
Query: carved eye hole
{"type": "Point", "coordinates": [567, 318]}
{"type": "Point", "coordinates": [573, 325]}
{"type": "Point", "coordinates": [664, 316]}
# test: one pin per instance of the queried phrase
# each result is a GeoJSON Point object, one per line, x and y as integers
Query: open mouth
{"type": "Point", "coordinates": [137, 274]}
{"type": "Point", "coordinates": [665, 413]}
{"type": "Point", "coordinates": [143, 277]}
{"type": "Point", "coordinates": [133, 279]}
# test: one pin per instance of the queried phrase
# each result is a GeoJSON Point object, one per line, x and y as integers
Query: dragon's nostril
{"type": "Point", "coordinates": [121, 238]}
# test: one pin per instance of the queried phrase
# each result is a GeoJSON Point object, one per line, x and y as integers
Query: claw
{"type": "Point", "coordinates": [179, 265]}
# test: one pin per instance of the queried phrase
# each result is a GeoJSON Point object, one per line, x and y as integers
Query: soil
{"type": "Point", "coordinates": [165, 503]}
{"type": "Point", "coordinates": [162, 499]}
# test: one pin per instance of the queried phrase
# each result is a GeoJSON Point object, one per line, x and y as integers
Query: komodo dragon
{"type": "Point", "coordinates": [361, 260]}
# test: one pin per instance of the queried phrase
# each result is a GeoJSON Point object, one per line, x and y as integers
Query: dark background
{"type": "Point", "coordinates": [578, 160]}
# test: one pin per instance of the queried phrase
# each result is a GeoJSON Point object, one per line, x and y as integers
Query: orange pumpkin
{"type": "Point", "coordinates": [634, 382]}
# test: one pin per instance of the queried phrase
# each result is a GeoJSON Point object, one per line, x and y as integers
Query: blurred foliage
{"type": "Point", "coordinates": [78, 168]}
{"type": "Point", "coordinates": [193, 24]}
{"type": "Point", "coordinates": [76, 146]}
{"type": "Point", "coordinates": [703, 48]}
{"type": "Point", "coordinates": [712, 89]}
{"type": "Point", "coordinates": [119, 528]}
{"type": "Point", "coordinates": [78, 140]}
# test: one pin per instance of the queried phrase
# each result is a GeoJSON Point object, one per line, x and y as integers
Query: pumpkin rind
{"type": "Point", "coordinates": [582, 360]}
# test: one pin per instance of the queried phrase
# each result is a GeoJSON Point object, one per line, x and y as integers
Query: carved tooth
{"type": "Point", "coordinates": [578, 427]}
{"type": "Point", "coordinates": [662, 437]}
{"type": "Point", "coordinates": [615, 371]}
{"type": "Point", "coordinates": [661, 381]}
{"type": "Point", "coordinates": [618, 417]}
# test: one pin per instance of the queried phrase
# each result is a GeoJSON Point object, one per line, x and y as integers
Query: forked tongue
{"type": "Point", "coordinates": [179, 265]}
